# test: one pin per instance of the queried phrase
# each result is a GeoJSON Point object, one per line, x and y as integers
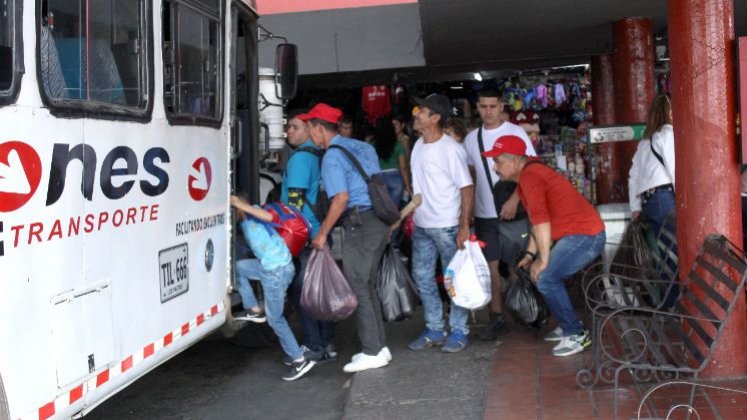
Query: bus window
{"type": "Point", "coordinates": [7, 29]}
{"type": "Point", "coordinates": [192, 68]}
{"type": "Point", "coordinates": [93, 52]}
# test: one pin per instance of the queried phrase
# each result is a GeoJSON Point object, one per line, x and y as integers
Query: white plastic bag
{"type": "Point", "coordinates": [467, 278]}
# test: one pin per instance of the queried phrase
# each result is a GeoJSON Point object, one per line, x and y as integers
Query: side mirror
{"type": "Point", "coordinates": [286, 71]}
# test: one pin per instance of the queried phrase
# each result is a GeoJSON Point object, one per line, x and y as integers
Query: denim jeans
{"type": "Point", "coordinates": [394, 184]}
{"type": "Point", "coordinates": [569, 255]}
{"type": "Point", "coordinates": [656, 209]}
{"type": "Point", "coordinates": [427, 245]}
{"type": "Point", "coordinates": [316, 334]}
{"type": "Point", "coordinates": [274, 285]}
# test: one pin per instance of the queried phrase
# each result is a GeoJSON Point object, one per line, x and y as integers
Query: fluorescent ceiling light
{"type": "Point", "coordinates": [478, 76]}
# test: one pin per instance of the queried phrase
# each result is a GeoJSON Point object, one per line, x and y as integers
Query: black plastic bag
{"type": "Point", "coordinates": [326, 294]}
{"type": "Point", "coordinates": [396, 290]}
{"type": "Point", "coordinates": [525, 303]}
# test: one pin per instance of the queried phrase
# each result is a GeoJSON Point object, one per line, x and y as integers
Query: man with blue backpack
{"type": "Point", "coordinates": [300, 189]}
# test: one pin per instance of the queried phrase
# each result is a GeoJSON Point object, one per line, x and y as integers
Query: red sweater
{"type": "Point", "coordinates": [549, 197]}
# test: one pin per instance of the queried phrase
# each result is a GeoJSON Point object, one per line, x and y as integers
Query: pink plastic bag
{"type": "Point", "coordinates": [326, 294]}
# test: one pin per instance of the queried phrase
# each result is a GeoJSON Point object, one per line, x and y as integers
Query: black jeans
{"type": "Point", "coordinates": [362, 248]}
{"type": "Point", "coordinates": [316, 334]}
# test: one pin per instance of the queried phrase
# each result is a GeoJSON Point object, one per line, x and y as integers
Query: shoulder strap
{"type": "Point", "coordinates": [485, 161]}
{"type": "Point", "coordinates": [533, 161]}
{"type": "Point", "coordinates": [354, 161]}
{"type": "Point", "coordinates": [313, 150]}
{"type": "Point", "coordinates": [658, 156]}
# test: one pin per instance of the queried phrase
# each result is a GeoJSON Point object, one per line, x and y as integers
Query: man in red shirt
{"type": "Point", "coordinates": [559, 214]}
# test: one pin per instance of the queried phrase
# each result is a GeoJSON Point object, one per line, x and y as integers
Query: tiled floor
{"type": "Point", "coordinates": [527, 382]}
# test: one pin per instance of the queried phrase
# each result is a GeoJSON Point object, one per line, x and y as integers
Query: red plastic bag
{"type": "Point", "coordinates": [326, 294]}
{"type": "Point", "coordinates": [409, 225]}
{"type": "Point", "coordinates": [290, 225]}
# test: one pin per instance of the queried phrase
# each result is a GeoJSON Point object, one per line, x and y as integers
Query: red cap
{"type": "Point", "coordinates": [512, 145]}
{"type": "Point", "coordinates": [323, 112]}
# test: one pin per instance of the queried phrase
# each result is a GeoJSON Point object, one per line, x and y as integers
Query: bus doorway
{"type": "Point", "coordinates": [244, 113]}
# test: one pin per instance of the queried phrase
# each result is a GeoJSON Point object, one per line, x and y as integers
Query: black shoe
{"type": "Point", "coordinates": [298, 369]}
{"type": "Point", "coordinates": [248, 315]}
{"type": "Point", "coordinates": [307, 354]}
{"type": "Point", "coordinates": [495, 329]}
{"type": "Point", "coordinates": [328, 354]}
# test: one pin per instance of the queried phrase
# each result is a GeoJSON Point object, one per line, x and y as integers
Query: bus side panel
{"type": "Point", "coordinates": [172, 219]}
{"type": "Point", "coordinates": [39, 259]}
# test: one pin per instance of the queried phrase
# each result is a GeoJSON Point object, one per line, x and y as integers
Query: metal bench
{"type": "Point", "coordinates": [662, 344]}
{"type": "Point", "coordinates": [677, 405]}
{"type": "Point", "coordinates": [606, 291]}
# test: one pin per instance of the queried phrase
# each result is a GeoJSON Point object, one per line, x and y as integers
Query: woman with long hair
{"type": "Point", "coordinates": [651, 177]}
{"type": "Point", "coordinates": [400, 129]}
{"type": "Point", "coordinates": [392, 159]}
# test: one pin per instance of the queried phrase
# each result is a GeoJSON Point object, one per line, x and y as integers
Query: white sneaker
{"type": "Point", "coordinates": [384, 351]}
{"type": "Point", "coordinates": [554, 335]}
{"type": "Point", "coordinates": [387, 354]}
{"type": "Point", "coordinates": [572, 344]}
{"type": "Point", "coordinates": [366, 362]}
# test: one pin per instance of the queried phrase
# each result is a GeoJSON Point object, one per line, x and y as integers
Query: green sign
{"type": "Point", "coordinates": [612, 133]}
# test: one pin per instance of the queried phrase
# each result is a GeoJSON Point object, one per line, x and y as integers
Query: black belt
{"type": "Point", "coordinates": [352, 216]}
{"type": "Point", "coordinates": [649, 193]}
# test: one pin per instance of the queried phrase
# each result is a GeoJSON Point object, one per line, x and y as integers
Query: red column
{"type": "Point", "coordinates": [634, 84]}
{"type": "Point", "coordinates": [701, 43]}
{"type": "Point", "coordinates": [603, 97]}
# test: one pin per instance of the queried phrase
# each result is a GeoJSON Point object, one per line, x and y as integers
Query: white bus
{"type": "Point", "coordinates": [124, 127]}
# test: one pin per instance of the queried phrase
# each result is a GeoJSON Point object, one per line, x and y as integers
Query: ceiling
{"type": "Point", "coordinates": [440, 40]}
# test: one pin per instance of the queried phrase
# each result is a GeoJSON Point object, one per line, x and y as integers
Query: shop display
{"type": "Point", "coordinates": [555, 111]}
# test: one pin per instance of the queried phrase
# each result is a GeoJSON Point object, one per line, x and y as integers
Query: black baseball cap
{"type": "Point", "coordinates": [437, 103]}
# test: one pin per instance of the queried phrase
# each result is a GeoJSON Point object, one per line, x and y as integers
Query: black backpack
{"type": "Point", "coordinates": [321, 206]}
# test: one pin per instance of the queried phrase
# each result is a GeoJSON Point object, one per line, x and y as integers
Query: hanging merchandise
{"type": "Point", "coordinates": [377, 102]}
{"type": "Point", "coordinates": [560, 97]}
{"type": "Point", "coordinates": [554, 108]}
{"type": "Point", "coordinates": [540, 91]}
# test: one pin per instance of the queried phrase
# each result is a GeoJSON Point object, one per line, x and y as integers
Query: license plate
{"type": "Point", "coordinates": [173, 265]}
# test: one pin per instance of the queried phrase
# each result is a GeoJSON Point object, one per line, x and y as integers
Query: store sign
{"type": "Point", "coordinates": [612, 133]}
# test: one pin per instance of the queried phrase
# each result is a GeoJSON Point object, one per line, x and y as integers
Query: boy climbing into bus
{"type": "Point", "coordinates": [273, 268]}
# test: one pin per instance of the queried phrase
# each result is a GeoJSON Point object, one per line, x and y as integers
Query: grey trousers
{"type": "Point", "coordinates": [362, 249]}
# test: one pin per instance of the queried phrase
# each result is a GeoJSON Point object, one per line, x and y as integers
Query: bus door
{"type": "Point", "coordinates": [244, 113]}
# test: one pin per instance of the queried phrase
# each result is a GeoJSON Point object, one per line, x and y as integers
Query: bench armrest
{"type": "Point", "coordinates": [607, 283]}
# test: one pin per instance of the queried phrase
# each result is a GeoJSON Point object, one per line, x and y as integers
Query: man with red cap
{"type": "Point", "coordinates": [500, 222]}
{"type": "Point", "coordinates": [559, 214]}
{"type": "Point", "coordinates": [364, 232]}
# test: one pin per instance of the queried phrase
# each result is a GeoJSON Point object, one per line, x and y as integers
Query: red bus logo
{"type": "Point", "coordinates": [20, 174]}
{"type": "Point", "coordinates": [199, 179]}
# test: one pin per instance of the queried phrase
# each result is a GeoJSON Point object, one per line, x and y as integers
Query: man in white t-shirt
{"type": "Point", "coordinates": [440, 174]}
{"type": "Point", "coordinates": [488, 219]}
